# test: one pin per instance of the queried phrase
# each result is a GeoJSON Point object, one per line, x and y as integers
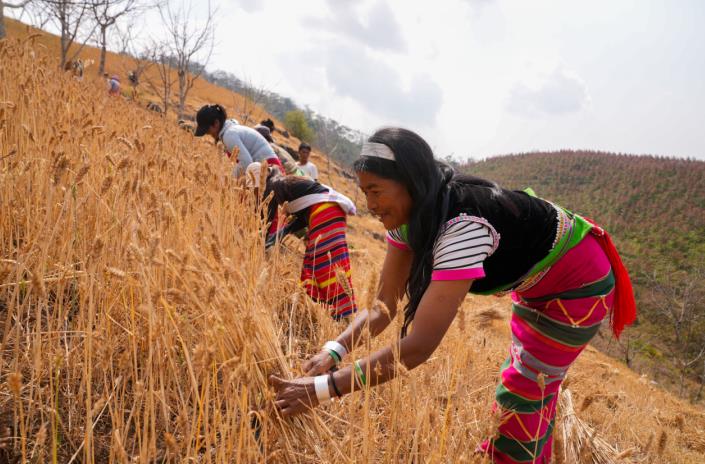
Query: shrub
{"type": "Point", "coordinates": [297, 124]}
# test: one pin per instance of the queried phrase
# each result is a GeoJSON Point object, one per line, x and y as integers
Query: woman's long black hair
{"type": "Point", "coordinates": [428, 182]}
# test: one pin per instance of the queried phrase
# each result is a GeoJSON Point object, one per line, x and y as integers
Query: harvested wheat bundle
{"type": "Point", "coordinates": [581, 442]}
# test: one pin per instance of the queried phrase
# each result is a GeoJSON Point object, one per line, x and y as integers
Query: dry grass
{"type": "Point", "coordinates": [140, 318]}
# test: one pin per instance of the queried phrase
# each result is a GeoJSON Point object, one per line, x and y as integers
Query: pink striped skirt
{"type": "Point", "coordinates": [551, 324]}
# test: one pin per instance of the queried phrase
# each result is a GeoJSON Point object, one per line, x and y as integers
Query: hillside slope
{"type": "Point", "coordinates": [203, 92]}
{"type": "Point", "coordinates": [140, 317]}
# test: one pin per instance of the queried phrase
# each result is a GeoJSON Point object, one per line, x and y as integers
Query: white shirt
{"type": "Point", "coordinates": [310, 170]}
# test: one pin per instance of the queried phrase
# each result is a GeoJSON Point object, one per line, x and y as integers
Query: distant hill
{"type": "Point", "coordinates": [653, 206]}
{"type": "Point", "coordinates": [646, 198]}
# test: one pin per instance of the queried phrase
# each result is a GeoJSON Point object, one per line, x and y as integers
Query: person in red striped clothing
{"type": "Point", "coordinates": [323, 212]}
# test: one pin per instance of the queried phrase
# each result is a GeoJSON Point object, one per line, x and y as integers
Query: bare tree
{"type": "Point", "coordinates": [124, 39]}
{"type": "Point", "coordinates": [38, 17]}
{"type": "Point", "coordinates": [679, 298]}
{"type": "Point", "coordinates": [628, 347]}
{"type": "Point", "coordinates": [253, 96]}
{"type": "Point", "coordinates": [190, 44]}
{"type": "Point", "coordinates": [326, 142]}
{"type": "Point", "coordinates": [699, 394]}
{"type": "Point", "coordinates": [70, 16]}
{"type": "Point", "coordinates": [140, 61]}
{"type": "Point", "coordinates": [157, 53]}
{"type": "Point", "coordinates": [106, 13]}
{"type": "Point", "coordinates": [3, 5]}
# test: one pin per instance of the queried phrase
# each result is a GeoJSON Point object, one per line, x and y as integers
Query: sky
{"type": "Point", "coordinates": [478, 78]}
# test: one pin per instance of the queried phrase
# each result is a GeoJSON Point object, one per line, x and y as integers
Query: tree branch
{"type": "Point", "coordinates": [16, 5]}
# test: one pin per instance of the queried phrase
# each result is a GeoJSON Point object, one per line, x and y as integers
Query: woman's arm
{"type": "Point", "coordinates": [434, 315]}
{"type": "Point", "coordinates": [395, 273]}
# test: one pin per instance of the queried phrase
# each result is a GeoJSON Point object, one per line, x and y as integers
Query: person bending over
{"type": "Point", "coordinates": [323, 212]}
{"type": "Point", "coordinates": [246, 142]}
{"type": "Point", "coordinates": [290, 165]}
{"type": "Point", "coordinates": [450, 234]}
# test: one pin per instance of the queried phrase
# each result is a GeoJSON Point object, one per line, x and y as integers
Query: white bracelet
{"type": "Point", "coordinates": [337, 347]}
{"type": "Point", "coordinates": [322, 389]}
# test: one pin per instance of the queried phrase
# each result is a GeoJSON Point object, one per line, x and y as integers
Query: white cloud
{"type": "Point", "coordinates": [558, 93]}
{"type": "Point", "coordinates": [376, 85]}
{"type": "Point", "coordinates": [376, 28]}
{"type": "Point", "coordinates": [250, 5]}
{"type": "Point", "coordinates": [456, 72]}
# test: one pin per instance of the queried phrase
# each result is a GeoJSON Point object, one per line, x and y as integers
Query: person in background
{"type": "Point", "coordinates": [264, 132]}
{"type": "Point", "coordinates": [114, 86]}
{"type": "Point", "coordinates": [450, 234]}
{"type": "Point", "coordinates": [76, 68]}
{"type": "Point", "coordinates": [269, 124]}
{"type": "Point", "coordinates": [247, 143]}
{"type": "Point", "coordinates": [323, 211]}
{"type": "Point", "coordinates": [308, 168]}
{"type": "Point", "coordinates": [290, 166]}
{"type": "Point", "coordinates": [133, 78]}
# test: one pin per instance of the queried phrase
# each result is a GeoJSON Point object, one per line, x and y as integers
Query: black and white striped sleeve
{"type": "Point", "coordinates": [462, 247]}
{"type": "Point", "coordinates": [397, 239]}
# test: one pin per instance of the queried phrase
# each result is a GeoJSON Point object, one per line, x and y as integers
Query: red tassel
{"type": "Point", "coordinates": [624, 306]}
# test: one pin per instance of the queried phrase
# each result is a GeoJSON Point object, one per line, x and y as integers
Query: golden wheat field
{"type": "Point", "coordinates": [140, 316]}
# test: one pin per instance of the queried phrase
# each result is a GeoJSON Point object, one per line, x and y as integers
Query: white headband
{"type": "Point", "coordinates": [377, 150]}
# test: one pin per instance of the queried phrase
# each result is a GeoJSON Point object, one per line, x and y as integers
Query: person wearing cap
{"type": "Point", "coordinates": [450, 234]}
{"type": "Point", "coordinates": [322, 212]}
{"type": "Point", "coordinates": [290, 166]}
{"type": "Point", "coordinates": [305, 165]}
{"type": "Point", "coordinates": [245, 142]}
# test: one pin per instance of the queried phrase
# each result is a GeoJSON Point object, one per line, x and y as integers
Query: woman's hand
{"type": "Point", "coordinates": [294, 396]}
{"type": "Point", "coordinates": [319, 364]}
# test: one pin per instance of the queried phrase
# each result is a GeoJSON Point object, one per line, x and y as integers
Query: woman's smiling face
{"type": "Point", "coordinates": [387, 199]}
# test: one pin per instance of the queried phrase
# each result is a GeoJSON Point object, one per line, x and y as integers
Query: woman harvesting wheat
{"type": "Point", "coordinates": [449, 234]}
{"type": "Point", "coordinates": [246, 143]}
{"type": "Point", "coordinates": [322, 212]}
